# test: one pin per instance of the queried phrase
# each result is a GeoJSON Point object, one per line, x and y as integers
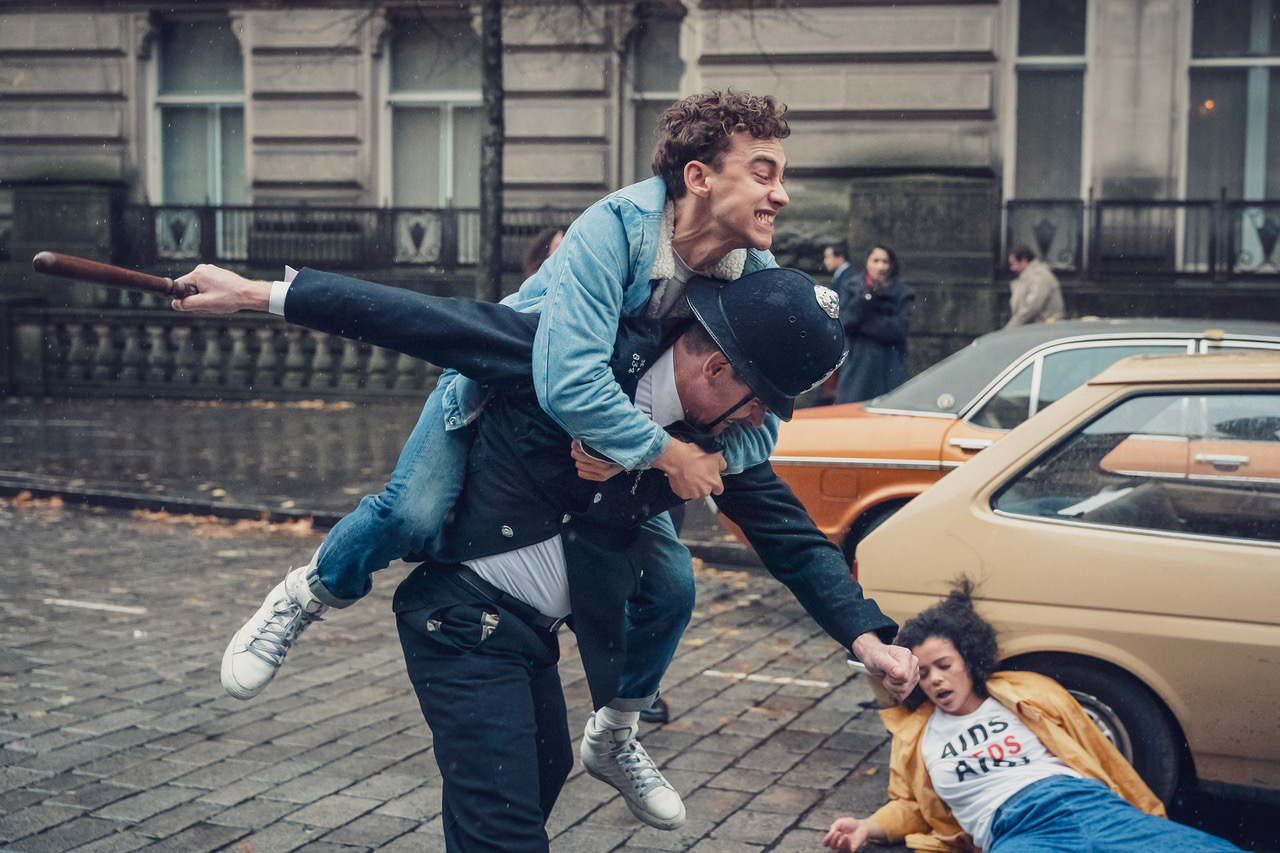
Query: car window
{"type": "Point", "coordinates": [1009, 406]}
{"type": "Point", "coordinates": [1066, 370]}
{"type": "Point", "coordinates": [1059, 373]}
{"type": "Point", "coordinates": [1206, 464]}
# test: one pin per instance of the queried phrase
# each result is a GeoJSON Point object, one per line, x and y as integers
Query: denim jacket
{"type": "Point", "coordinates": [603, 270]}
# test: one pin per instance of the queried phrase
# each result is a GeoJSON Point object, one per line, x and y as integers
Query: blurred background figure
{"type": "Point", "coordinates": [835, 259]}
{"type": "Point", "coordinates": [540, 248]}
{"type": "Point", "coordinates": [1035, 296]}
{"type": "Point", "coordinates": [875, 309]}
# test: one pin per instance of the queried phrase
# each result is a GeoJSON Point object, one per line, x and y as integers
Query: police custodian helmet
{"type": "Point", "coordinates": [779, 329]}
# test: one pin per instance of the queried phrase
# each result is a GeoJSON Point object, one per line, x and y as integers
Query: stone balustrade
{"type": "Point", "coordinates": [79, 352]}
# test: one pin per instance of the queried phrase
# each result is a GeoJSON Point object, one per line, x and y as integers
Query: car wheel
{"type": "Point", "coordinates": [1129, 715]}
{"type": "Point", "coordinates": [867, 522]}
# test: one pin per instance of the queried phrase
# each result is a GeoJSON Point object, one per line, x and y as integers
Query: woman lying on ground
{"type": "Point", "coordinates": [1003, 761]}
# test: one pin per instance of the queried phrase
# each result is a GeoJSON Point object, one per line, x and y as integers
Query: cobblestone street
{"type": "Point", "coordinates": [117, 735]}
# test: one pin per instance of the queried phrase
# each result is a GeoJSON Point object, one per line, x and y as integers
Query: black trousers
{"type": "Point", "coordinates": [489, 689]}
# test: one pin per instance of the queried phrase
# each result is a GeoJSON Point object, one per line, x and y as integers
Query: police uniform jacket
{"type": "Point", "coordinates": [522, 484]}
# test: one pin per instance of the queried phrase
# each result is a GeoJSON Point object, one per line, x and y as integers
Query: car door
{"type": "Point", "coordinates": [1155, 530]}
{"type": "Point", "coordinates": [1039, 380]}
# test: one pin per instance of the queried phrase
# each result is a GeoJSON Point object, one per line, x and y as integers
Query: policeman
{"type": "Point", "coordinates": [479, 629]}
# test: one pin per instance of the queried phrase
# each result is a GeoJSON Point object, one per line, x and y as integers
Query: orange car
{"type": "Point", "coordinates": [855, 465]}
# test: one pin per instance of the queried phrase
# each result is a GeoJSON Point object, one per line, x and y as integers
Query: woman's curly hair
{"type": "Point", "coordinates": [701, 126]}
{"type": "Point", "coordinates": [954, 619]}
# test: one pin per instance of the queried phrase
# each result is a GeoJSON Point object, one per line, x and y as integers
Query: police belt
{"type": "Point", "coordinates": [530, 615]}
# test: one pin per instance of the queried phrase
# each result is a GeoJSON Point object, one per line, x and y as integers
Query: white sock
{"type": "Point", "coordinates": [610, 718]}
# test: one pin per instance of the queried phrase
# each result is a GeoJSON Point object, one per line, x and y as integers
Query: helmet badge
{"type": "Point", "coordinates": [829, 301]}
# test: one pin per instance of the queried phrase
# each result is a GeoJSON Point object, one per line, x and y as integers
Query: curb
{"type": "Point", "coordinates": [720, 553]}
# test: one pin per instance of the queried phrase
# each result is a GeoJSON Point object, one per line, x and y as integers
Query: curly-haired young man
{"type": "Point", "coordinates": [710, 212]}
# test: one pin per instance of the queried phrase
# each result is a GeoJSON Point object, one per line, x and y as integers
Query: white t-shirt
{"type": "Point", "coordinates": [977, 761]}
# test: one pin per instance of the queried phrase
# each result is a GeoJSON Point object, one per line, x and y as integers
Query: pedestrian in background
{"type": "Point", "coordinates": [1035, 296]}
{"type": "Point", "coordinates": [835, 259]}
{"type": "Point", "coordinates": [875, 309]}
{"type": "Point", "coordinates": [540, 248]}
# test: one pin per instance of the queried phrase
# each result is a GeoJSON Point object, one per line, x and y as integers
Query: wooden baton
{"type": "Point", "coordinates": [95, 272]}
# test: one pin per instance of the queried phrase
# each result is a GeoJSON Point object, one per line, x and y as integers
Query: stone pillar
{"type": "Point", "coordinates": [81, 218]}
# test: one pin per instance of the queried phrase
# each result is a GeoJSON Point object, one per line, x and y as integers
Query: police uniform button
{"type": "Point", "coordinates": [507, 531]}
{"type": "Point", "coordinates": [598, 497]}
{"type": "Point", "coordinates": [565, 520]}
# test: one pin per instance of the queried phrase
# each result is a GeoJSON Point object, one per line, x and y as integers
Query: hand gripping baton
{"type": "Point", "coordinates": [94, 272]}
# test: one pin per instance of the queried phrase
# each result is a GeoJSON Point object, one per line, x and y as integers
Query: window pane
{"type": "Point", "coordinates": [468, 128]}
{"type": "Point", "coordinates": [646, 131]}
{"type": "Point", "coordinates": [657, 59]}
{"type": "Point", "coordinates": [1065, 371]}
{"type": "Point", "coordinates": [232, 183]}
{"type": "Point", "coordinates": [436, 56]}
{"type": "Point", "coordinates": [1216, 132]}
{"type": "Point", "coordinates": [1010, 406]}
{"type": "Point", "coordinates": [415, 165]}
{"type": "Point", "coordinates": [1051, 27]}
{"type": "Point", "coordinates": [1199, 464]}
{"type": "Point", "coordinates": [1273, 135]}
{"type": "Point", "coordinates": [199, 58]}
{"type": "Point", "coordinates": [1223, 28]}
{"type": "Point", "coordinates": [1049, 133]}
{"type": "Point", "coordinates": [184, 137]}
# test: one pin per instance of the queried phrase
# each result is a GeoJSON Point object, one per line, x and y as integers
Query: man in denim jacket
{"type": "Point", "coordinates": [720, 165]}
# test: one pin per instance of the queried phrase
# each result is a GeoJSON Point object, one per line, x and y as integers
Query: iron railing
{"type": "Point", "coordinates": [329, 237]}
{"type": "Point", "coordinates": [1101, 239]}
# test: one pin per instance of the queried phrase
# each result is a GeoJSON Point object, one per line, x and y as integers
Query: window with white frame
{"type": "Point", "coordinates": [200, 99]}
{"type": "Point", "coordinates": [1050, 83]}
{"type": "Point", "coordinates": [435, 112]}
{"type": "Point", "coordinates": [200, 115]}
{"type": "Point", "coordinates": [656, 69]}
{"type": "Point", "coordinates": [1233, 129]}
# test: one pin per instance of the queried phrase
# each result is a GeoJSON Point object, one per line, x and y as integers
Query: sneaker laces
{"type": "Point", "coordinates": [271, 642]}
{"type": "Point", "coordinates": [639, 767]}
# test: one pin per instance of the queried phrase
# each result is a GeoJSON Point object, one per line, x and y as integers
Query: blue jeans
{"type": "Point", "coordinates": [1063, 814]}
{"type": "Point", "coordinates": [630, 608]}
{"type": "Point", "coordinates": [404, 518]}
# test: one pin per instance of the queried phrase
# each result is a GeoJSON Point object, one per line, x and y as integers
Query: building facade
{"type": "Point", "coordinates": [1134, 144]}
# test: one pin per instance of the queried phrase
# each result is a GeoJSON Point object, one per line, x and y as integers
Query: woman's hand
{"type": "Point", "coordinates": [848, 834]}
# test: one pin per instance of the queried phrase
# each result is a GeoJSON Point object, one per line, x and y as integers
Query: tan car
{"type": "Point", "coordinates": [1126, 541]}
{"type": "Point", "coordinates": [853, 466]}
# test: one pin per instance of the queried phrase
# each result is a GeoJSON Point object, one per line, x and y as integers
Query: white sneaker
{"type": "Point", "coordinates": [615, 757]}
{"type": "Point", "coordinates": [258, 648]}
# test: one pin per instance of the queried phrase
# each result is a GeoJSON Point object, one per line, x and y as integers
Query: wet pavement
{"type": "Point", "coordinates": [287, 461]}
{"type": "Point", "coordinates": [115, 734]}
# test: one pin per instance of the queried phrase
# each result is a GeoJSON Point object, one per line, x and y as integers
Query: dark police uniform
{"type": "Point", "coordinates": [488, 687]}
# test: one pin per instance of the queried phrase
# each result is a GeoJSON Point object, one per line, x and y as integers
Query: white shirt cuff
{"type": "Point", "coordinates": [280, 289]}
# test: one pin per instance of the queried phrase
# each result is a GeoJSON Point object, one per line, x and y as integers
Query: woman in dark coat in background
{"type": "Point", "coordinates": [875, 309]}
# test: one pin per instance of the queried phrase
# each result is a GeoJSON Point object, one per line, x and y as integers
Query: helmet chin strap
{"type": "Point", "coordinates": [738, 405]}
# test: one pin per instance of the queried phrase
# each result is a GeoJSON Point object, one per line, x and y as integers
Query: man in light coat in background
{"type": "Point", "coordinates": [1035, 295]}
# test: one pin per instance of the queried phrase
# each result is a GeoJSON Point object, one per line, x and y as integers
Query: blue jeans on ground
{"type": "Point", "coordinates": [492, 697]}
{"type": "Point", "coordinates": [1064, 814]}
